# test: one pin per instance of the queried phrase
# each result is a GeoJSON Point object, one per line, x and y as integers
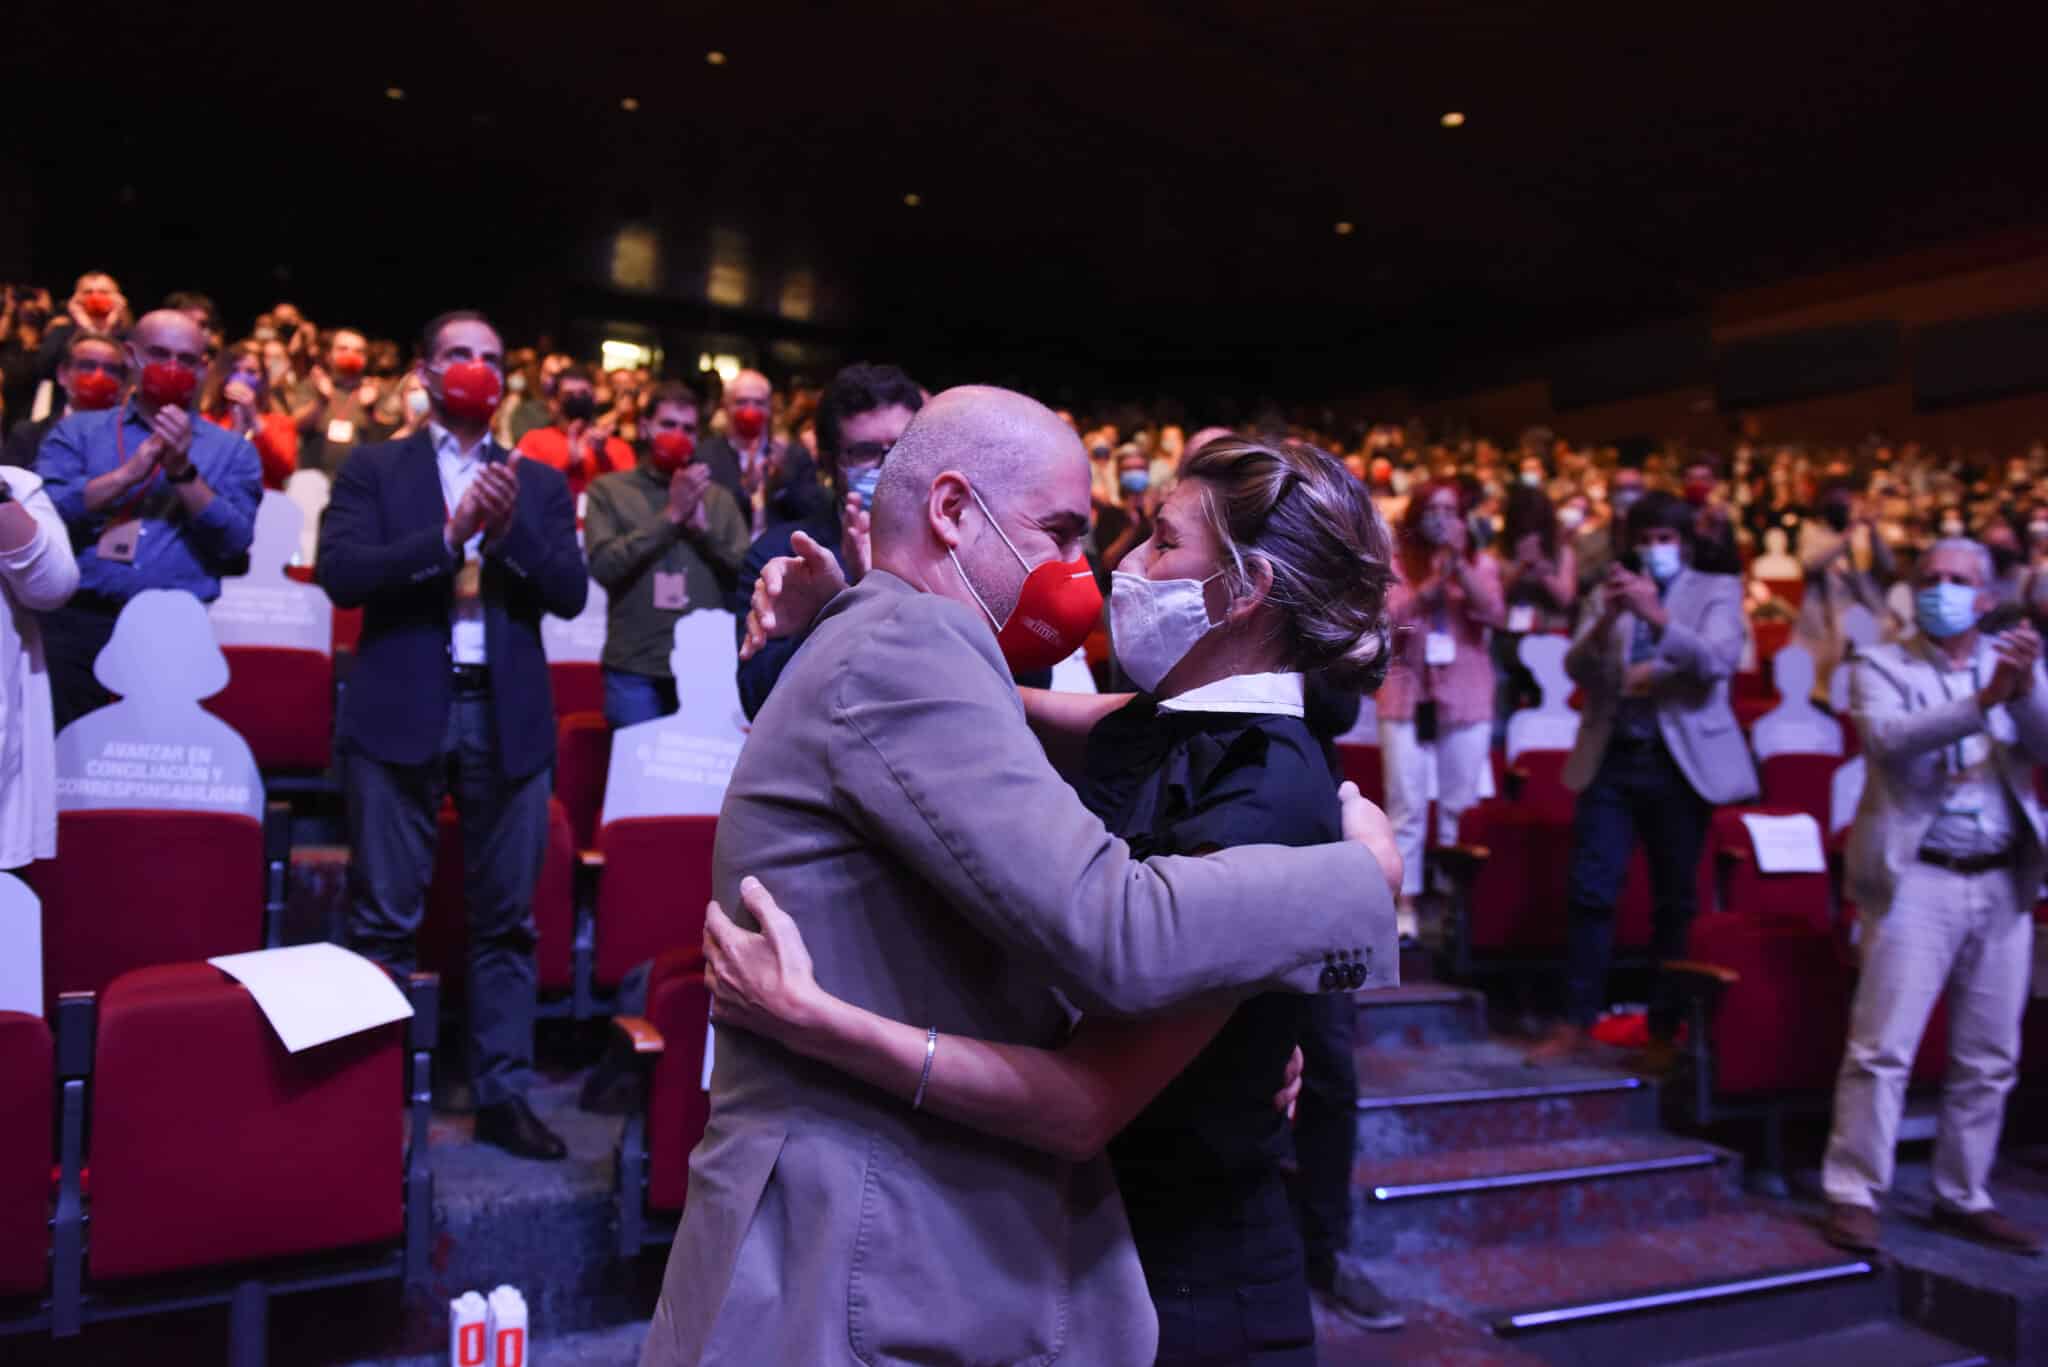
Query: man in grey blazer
{"type": "Point", "coordinates": [1945, 862]}
{"type": "Point", "coordinates": [892, 798]}
{"type": "Point", "coordinates": [1657, 750]}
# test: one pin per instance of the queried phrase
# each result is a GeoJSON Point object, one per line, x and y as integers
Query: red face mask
{"type": "Point", "coordinates": [749, 423]}
{"type": "Point", "coordinates": [470, 390]}
{"type": "Point", "coordinates": [1056, 609]}
{"type": "Point", "coordinates": [672, 451]}
{"type": "Point", "coordinates": [167, 384]}
{"type": "Point", "coordinates": [1698, 491]}
{"type": "Point", "coordinates": [98, 303]}
{"type": "Point", "coordinates": [92, 390]}
{"type": "Point", "coordinates": [348, 363]}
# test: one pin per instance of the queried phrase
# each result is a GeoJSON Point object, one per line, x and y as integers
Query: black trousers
{"type": "Point", "coordinates": [392, 833]}
{"type": "Point", "coordinates": [73, 637]}
{"type": "Point", "coordinates": [1326, 1129]}
{"type": "Point", "coordinates": [1639, 792]}
{"type": "Point", "coordinates": [1226, 1276]}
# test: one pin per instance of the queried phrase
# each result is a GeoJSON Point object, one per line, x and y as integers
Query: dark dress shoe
{"type": "Point", "coordinates": [1851, 1227]}
{"type": "Point", "coordinates": [1988, 1227]}
{"type": "Point", "coordinates": [513, 1127]}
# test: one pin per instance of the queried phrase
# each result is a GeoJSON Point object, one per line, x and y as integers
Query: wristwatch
{"type": "Point", "coordinates": [186, 476]}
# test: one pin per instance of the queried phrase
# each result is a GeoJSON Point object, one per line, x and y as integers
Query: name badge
{"type": "Point", "coordinates": [119, 541]}
{"type": "Point", "coordinates": [1522, 619]}
{"type": "Point", "coordinates": [671, 591]}
{"type": "Point", "coordinates": [469, 580]}
{"type": "Point", "coordinates": [1439, 648]}
{"type": "Point", "coordinates": [340, 432]}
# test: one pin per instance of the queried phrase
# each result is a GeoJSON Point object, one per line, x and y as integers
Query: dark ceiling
{"type": "Point", "coordinates": [1113, 197]}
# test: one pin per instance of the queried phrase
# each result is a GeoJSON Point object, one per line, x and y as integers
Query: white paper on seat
{"type": "Point", "coordinates": [1786, 844]}
{"type": "Point", "coordinates": [21, 947]}
{"type": "Point", "coordinates": [312, 994]}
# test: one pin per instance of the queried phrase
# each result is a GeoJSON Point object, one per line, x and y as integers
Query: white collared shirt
{"type": "Point", "coordinates": [458, 470]}
{"type": "Point", "coordinates": [1275, 694]}
{"type": "Point", "coordinates": [1976, 810]}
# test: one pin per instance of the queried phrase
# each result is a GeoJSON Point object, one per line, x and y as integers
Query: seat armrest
{"type": "Point", "coordinates": [640, 1034]}
{"type": "Point", "coordinates": [1463, 862]}
{"type": "Point", "coordinates": [1514, 781]}
{"type": "Point", "coordinates": [592, 860]}
{"type": "Point", "coordinates": [1696, 975]}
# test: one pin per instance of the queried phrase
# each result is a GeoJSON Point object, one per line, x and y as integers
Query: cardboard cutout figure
{"type": "Point", "coordinates": [263, 607]}
{"type": "Point", "coordinates": [678, 765]}
{"type": "Point", "coordinates": [1795, 726]}
{"type": "Point", "coordinates": [580, 639]}
{"type": "Point", "coordinates": [1776, 563]}
{"type": "Point", "coordinates": [308, 490]}
{"type": "Point", "coordinates": [21, 947]}
{"type": "Point", "coordinates": [1859, 629]}
{"type": "Point", "coordinates": [1845, 793]}
{"type": "Point", "coordinates": [1551, 724]}
{"type": "Point", "coordinates": [155, 746]}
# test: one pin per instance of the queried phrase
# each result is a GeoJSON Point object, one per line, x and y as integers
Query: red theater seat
{"type": "Point", "coordinates": [348, 629]}
{"type": "Point", "coordinates": [1510, 871]}
{"type": "Point", "coordinates": [1536, 781]}
{"type": "Point", "coordinates": [1800, 783]}
{"type": "Point", "coordinates": [1363, 766]}
{"type": "Point", "coordinates": [444, 929]}
{"type": "Point", "coordinates": [133, 888]}
{"type": "Point", "coordinates": [282, 703]}
{"type": "Point", "coordinates": [654, 1148]}
{"type": "Point", "coordinates": [212, 1145]}
{"type": "Point", "coordinates": [578, 687]}
{"type": "Point", "coordinates": [26, 1096]}
{"type": "Point", "coordinates": [583, 757]}
{"type": "Point", "coordinates": [650, 899]}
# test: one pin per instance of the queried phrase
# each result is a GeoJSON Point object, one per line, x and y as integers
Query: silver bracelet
{"type": "Point", "coordinates": [931, 1046]}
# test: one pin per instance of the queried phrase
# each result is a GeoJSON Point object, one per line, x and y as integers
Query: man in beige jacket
{"type": "Point", "coordinates": [892, 798]}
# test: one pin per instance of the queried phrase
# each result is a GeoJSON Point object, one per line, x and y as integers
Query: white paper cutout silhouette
{"type": "Point", "coordinates": [1795, 726]}
{"type": "Point", "coordinates": [1551, 724]}
{"type": "Point", "coordinates": [21, 947]}
{"type": "Point", "coordinates": [1845, 791]}
{"type": "Point", "coordinates": [1775, 563]}
{"type": "Point", "coordinates": [264, 607]}
{"type": "Point", "coordinates": [580, 639]}
{"type": "Point", "coordinates": [156, 747]}
{"type": "Point", "coordinates": [1859, 629]}
{"type": "Point", "coordinates": [308, 490]}
{"type": "Point", "coordinates": [678, 765]}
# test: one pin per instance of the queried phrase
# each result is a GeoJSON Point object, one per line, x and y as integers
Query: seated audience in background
{"type": "Point", "coordinates": [37, 573]}
{"type": "Point", "coordinates": [1540, 584]}
{"type": "Point", "coordinates": [1606, 537]}
{"type": "Point", "coordinates": [663, 540]}
{"type": "Point", "coordinates": [1945, 864]}
{"type": "Point", "coordinates": [2008, 563]}
{"type": "Point", "coordinates": [859, 418]}
{"type": "Point", "coordinates": [1657, 751]}
{"type": "Point", "coordinates": [96, 307]}
{"type": "Point", "coordinates": [574, 443]}
{"type": "Point", "coordinates": [1713, 529]}
{"type": "Point", "coordinates": [335, 405]}
{"type": "Point", "coordinates": [91, 377]}
{"type": "Point", "coordinates": [773, 480]}
{"type": "Point", "coordinates": [238, 397]}
{"type": "Point", "coordinates": [24, 312]}
{"type": "Point", "coordinates": [454, 553]}
{"type": "Point", "coordinates": [526, 402]}
{"type": "Point", "coordinates": [152, 498]}
{"type": "Point", "coordinates": [1847, 564]}
{"type": "Point", "coordinates": [1440, 691]}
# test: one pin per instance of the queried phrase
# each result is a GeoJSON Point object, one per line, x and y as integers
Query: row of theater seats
{"type": "Point", "coordinates": [196, 1161]}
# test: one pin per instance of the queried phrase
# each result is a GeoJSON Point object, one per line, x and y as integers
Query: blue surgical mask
{"type": "Point", "coordinates": [1133, 481]}
{"type": "Point", "coordinates": [1663, 562]}
{"type": "Point", "coordinates": [1945, 610]}
{"type": "Point", "coordinates": [861, 483]}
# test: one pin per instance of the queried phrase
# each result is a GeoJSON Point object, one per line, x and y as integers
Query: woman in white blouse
{"type": "Point", "coordinates": [37, 573]}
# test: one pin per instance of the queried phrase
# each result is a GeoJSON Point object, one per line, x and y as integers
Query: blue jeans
{"type": "Point", "coordinates": [633, 698]}
{"type": "Point", "coordinates": [1639, 790]}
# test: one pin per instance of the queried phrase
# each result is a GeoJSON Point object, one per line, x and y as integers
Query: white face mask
{"type": "Point", "coordinates": [1154, 623]}
{"type": "Point", "coordinates": [1663, 561]}
{"type": "Point", "coordinates": [1570, 518]}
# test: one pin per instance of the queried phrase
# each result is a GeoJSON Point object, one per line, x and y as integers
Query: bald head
{"type": "Point", "coordinates": [160, 346]}
{"type": "Point", "coordinates": [998, 439]}
{"type": "Point", "coordinates": [171, 329]}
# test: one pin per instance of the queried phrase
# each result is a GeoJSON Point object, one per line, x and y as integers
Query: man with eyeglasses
{"type": "Point", "coordinates": [91, 376]}
{"type": "Point", "coordinates": [153, 499]}
{"type": "Point", "coordinates": [863, 412]}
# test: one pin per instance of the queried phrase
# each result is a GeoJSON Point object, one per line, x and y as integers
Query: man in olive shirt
{"type": "Point", "coordinates": [663, 540]}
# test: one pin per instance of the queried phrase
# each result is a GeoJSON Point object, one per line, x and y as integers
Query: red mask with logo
{"type": "Point", "coordinates": [97, 303]}
{"type": "Point", "coordinates": [470, 390]}
{"type": "Point", "coordinates": [92, 390]}
{"type": "Point", "coordinates": [167, 384]}
{"type": "Point", "coordinates": [749, 423]}
{"type": "Point", "coordinates": [1057, 607]}
{"type": "Point", "coordinates": [672, 450]}
{"type": "Point", "coordinates": [349, 364]}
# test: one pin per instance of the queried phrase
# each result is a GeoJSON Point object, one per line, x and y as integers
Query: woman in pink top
{"type": "Point", "coordinates": [1446, 597]}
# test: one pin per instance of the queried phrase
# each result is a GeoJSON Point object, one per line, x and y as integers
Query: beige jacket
{"type": "Point", "coordinates": [894, 802]}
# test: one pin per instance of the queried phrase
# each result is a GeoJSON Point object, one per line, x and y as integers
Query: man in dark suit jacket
{"type": "Point", "coordinates": [454, 553]}
{"type": "Point", "coordinates": [773, 481]}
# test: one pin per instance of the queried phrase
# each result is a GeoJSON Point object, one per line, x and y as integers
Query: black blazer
{"type": "Point", "coordinates": [381, 549]}
{"type": "Point", "coordinates": [798, 498]}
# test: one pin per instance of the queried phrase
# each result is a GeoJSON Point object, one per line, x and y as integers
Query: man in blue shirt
{"type": "Point", "coordinates": [154, 498]}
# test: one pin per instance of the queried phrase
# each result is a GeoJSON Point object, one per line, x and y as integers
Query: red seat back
{"type": "Point", "coordinates": [348, 629]}
{"type": "Point", "coordinates": [583, 756]}
{"type": "Point", "coordinates": [1735, 884]}
{"type": "Point", "coordinates": [578, 686]}
{"type": "Point", "coordinates": [1363, 766]}
{"type": "Point", "coordinates": [1782, 1025]}
{"type": "Point", "coordinates": [1771, 637]}
{"type": "Point", "coordinates": [650, 899]}
{"type": "Point", "coordinates": [133, 888]}
{"type": "Point", "coordinates": [679, 1005]}
{"type": "Point", "coordinates": [1542, 780]}
{"type": "Point", "coordinates": [26, 1095]}
{"type": "Point", "coordinates": [211, 1144]}
{"type": "Point", "coordinates": [1800, 783]}
{"type": "Point", "coordinates": [1518, 901]}
{"type": "Point", "coordinates": [443, 945]}
{"type": "Point", "coordinates": [282, 703]}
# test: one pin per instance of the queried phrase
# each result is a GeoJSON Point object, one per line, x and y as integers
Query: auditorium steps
{"type": "Point", "coordinates": [1545, 1211]}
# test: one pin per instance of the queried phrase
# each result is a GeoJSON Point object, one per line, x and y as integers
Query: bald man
{"type": "Point", "coordinates": [153, 498]}
{"type": "Point", "coordinates": [892, 799]}
{"type": "Point", "coordinates": [774, 481]}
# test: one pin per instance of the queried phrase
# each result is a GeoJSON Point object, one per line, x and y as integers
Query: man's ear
{"type": "Point", "coordinates": [945, 506]}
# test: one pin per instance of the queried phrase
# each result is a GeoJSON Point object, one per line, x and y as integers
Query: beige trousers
{"type": "Point", "coordinates": [1973, 936]}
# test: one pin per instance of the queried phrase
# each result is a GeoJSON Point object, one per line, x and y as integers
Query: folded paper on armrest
{"type": "Point", "coordinates": [312, 994]}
